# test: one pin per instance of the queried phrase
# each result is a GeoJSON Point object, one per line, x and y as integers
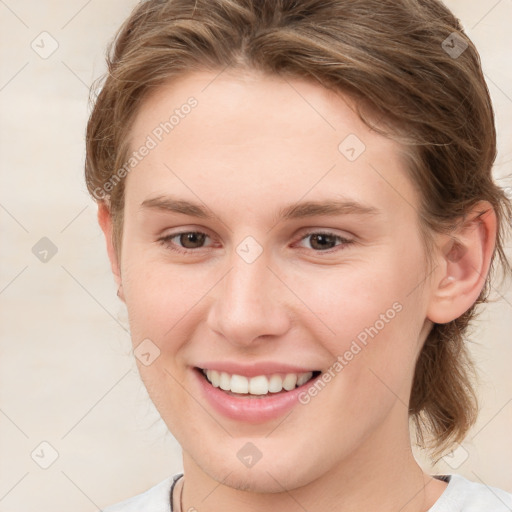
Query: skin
{"type": "Point", "coordinates": [253, 145]}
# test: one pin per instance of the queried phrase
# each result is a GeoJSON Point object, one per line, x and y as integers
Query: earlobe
{"type": "Point", "coordinates": [105, 222]}
{"type": "Point", "coordinates": [463, 265]}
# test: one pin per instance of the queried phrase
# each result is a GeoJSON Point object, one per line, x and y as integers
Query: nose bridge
{"type": "Point", "coordinates": [246, 303]}
{"type": "Point", "coordinates": [246, 283]}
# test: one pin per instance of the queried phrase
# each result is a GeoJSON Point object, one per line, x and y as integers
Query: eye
{"type": "Point", "coordinates": [188, 241]}
{"type": "Point", "coordinates": [185, 241]}
{"type": "Point", "coordinates": [325, 241]}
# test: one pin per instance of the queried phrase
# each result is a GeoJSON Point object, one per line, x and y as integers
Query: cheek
{"type": "Point", "coordinates": [159, 297]}
{"type": "Point", "coordinates": [369, 320]}
{"type": "Point", "coordinates": [355, 302]}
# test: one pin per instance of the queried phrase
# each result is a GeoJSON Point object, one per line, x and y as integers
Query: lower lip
{"type": "Point", "coordinates": [250, 410]}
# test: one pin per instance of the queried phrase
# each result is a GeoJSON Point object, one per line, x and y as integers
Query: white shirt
{"type": "Point", "coordinates": [461, 495]}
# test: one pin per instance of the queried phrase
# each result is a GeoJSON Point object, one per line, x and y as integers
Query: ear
{"type": "Point", "coordinates": [463, 264]}
{"type": "Point", "coordinates": [105, 222]}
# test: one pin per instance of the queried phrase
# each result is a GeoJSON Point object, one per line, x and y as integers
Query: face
{"type": "Point", "coordinates": [271, 239]}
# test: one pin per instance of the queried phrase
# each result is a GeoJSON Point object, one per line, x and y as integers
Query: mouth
{"type": "Point", "coordinates": [258, 386]}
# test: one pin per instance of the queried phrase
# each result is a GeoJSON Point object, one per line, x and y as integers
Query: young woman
{"type": "Point", "coordinates": [300, 214]}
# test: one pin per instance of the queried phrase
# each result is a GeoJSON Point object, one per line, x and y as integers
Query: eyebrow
{"type": "Point", "coordinates": [293, 211]}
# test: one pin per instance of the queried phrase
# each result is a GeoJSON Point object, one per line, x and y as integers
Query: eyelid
{"type": "Point", "coordinates": [326, 231]}
{"type": "Point", "coordinates": [181, 230]}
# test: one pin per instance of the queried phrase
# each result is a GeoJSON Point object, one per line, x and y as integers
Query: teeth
{"type": "Point", "coordinates": [257, 385]}
{"type": "Point", "coordinates": [214, 378]}
{"type": "Point", "coordinates": [225, 382]}
{"type": "Point", "coordinates": [260, 385]}
{"type": "Point", "coordinates": [239, 384]}
{"type": "Point", "coordinates": [302, 379]}
{"type": "Point", "coordinates": [290, 381]}
{"type": "Point", "coordinates": [275, 384]}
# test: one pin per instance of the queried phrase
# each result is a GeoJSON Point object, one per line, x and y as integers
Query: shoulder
{"type": "Point", "coordinates": [156, 499]}
{"type": "Point", "coordinates": [462, 495]}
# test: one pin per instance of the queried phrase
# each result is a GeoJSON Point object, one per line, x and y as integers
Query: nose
{"type": "Point", "coordinates": [249, 304]}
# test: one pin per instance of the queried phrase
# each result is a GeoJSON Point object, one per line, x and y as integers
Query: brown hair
{"type": "Point", "coordinates": [408, 59]}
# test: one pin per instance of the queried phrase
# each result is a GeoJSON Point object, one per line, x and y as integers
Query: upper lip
{"type": "Point", "coordinates": [255, 369]}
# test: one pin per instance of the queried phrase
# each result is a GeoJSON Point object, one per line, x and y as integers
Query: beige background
{"type": "Point", "coordinates": [67, 376]}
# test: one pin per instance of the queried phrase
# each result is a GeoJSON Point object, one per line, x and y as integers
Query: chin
{"type": "Point", "coordinates": [274, 475]}
{"type": "Point", "coordinates": [262, 480]}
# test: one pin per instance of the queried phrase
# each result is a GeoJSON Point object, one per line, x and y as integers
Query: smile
{"type": "Point", "coordinates": [264, 393]}
{"type": "Point", "coordinates": [259, 385]}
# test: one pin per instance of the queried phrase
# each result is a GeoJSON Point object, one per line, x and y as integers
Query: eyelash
{"type": "Point", "coordinates": [344, 242]}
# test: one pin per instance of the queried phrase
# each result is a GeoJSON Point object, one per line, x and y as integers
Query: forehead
{"type": "Point", "coordinates": [266, 137]}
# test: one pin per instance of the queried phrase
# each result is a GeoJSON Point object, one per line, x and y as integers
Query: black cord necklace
{"type": "Point", "coordinates": [171, 493]}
